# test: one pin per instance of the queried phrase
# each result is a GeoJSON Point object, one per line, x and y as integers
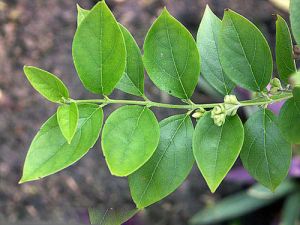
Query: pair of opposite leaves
{"type": "Point", "coordinates": [66, 162]}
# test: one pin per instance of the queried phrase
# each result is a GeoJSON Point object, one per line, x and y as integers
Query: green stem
{"type": "Point", "coordinates": [259, 101]}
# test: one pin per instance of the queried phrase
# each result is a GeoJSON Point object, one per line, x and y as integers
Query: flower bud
{"type": "Point", "coordinates": [198, 113]}
{"type": "Point", "coordinates": [231, 105]}
{"type": "Point", "coordinates": [219, 115]}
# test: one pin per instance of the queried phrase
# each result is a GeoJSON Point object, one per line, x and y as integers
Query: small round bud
{"type": "Point", "coordinates": [218, 114]}
{"type": "Point", "coordinates": [231, 105]}
{"type": "Point", "coordinates": [198, 113]}
{"type": "Point", "coordinates": [275, 82]}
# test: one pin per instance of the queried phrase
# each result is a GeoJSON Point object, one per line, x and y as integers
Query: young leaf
{"type": "Point", "coordinates": [244, 52]}
{"type": "Point", "coordinates": [217, 148]}
{"type": "Point", "coordinates": [170, 164]}
{"type": "Point", "coordinates": [265, 153]}
{"type": "Point", "coordinates": [129, 138]}
{"type": "Point", "coordinates": [207, 41]}
{"type": "Point", "coordinates": [49, 151]}
{"type": "Point", "coordinates": [67, 118]}
{"type": "Point", "coordinates": [99, 50]}
{"type": "Point", "coordinates": [132, 81]}
{"type": "Point", "coordinates": [171, 57]}
{"type": "Point", "coordinates": [294, 17]}
{"type": "Point", "coordinates": [47, 84]}
{"type": "Point", "coordinates": [284, 50]}
{"type": "Point", "coordinates": [289, 119]}
{"type": "Point", "coordinates": [82, 13]}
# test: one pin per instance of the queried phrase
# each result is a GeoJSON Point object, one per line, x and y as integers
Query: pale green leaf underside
{"type": "Point", "coordinates": [67, 118]}
{"type": "Point", "coordinates": [47, 84]}
{"type": "Point", "coordinates": [289, 120]}
{"type": "Point", "coordinates": [171, 57]}
{"type": "Point", "coordinates": [129, 138]}
{"type": "Point", "coordinates": [295, 21]}
{"type": "Point", "coordinates": [265, 153]}
{"type": "Point", "coordinates": [286, 65]}
{"type": "Point", "coordinates": [217, 148]}
{"type": "Point", "coordinates": [132, 81]}
{"type": "Point", "coordinates": [169, 165]}
{"type": "Point", "coordinates": [50, 152]}
{"type": "Point", "coordinates": [99, 50]}
{"type": "Point", "coordinates": [207, 41]}
{"type": "Point", "coordinates": [244, 52]}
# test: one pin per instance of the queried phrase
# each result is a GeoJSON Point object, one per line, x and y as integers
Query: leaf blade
{"type": "Point", "coordinates": [242, 54]}
{"type": "Point", "coordinates": [99, 51]}
{"type": "Point", "coordinates": [265, 153]}
{"type": "Point", "coordinates": [284, 50]}
{"type": "Point", "coordinates": [132, 81]}
{"type": "Point", "coordinates": [47, 84]}
{"type": "Point", "coordinates": [67, 118]}
{"type": "Point", "coordinates": [215, 149]}
{"type": "Point", "coordinates": [171, 60]}
{"type": "Point", "coordinates": [160, 176]}
{"type": "Point", "coordinates": [129, 138]}
{"type": "Point", "coordinates": [207, 41]}
{"type": "Point", "coordinates": [294, 17]}
{"type": "Point", "coordinates": [45, 158]}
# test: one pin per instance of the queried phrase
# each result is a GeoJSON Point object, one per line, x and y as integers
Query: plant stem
{"type": "Point", "coordinates": [254, 102]}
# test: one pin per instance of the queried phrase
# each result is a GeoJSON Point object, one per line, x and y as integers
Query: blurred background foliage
{"type": "Point", "coordinates": [40, 33]}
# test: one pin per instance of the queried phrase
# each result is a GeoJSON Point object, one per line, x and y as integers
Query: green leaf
{"type": "Point", "coordinates": [47, 84]}
{"type": "Point", "coordinates": [171, 57]}
{"type": "Point", "coordinates": [82, 13]}
{"type": "Point", "coordinates": [294, 17]}
{"type": "Point", "coordinates": [50, 152]}
{"type": "Point", "coordinates": [207, 41]}
{"type": "Point", "coordinates": [169, 165]}
{"type": "Point", "coordinates": [265, 153]}
{"type": "Point", "coordinates": [291, 212]}
{"type": "Point", "coordinates": [284, 50]}
{"type": "Point", "coordinates": [99, 50]}
{"type": "Point", "coordinates": [242, 204]}
{"type": "Point", "coordinates": [244, 52]}
{"type": "Point", "coordinates": [132, 81]}
{"type": "Point", "coordinates": [110, 216]}
{"type": "Point", "coordinates": [289, 120]}
{"type": "Point", "coordinates": [67, 118]}
{"type": "Point", "coordinates": [216, 148]}
{"type": "Point", "coordinates": [129, 138]}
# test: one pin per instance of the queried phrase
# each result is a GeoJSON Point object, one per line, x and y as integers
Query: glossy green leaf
{"type": "Point", "coordinates": [129, 138]}
{"type": "Point", "coordinates": [132, 81]}
{"type": "Point", "coordinates": [242, 204]}
{"type": "Point", "coordinates": [171, 57]}
{"type": "Point", "coordinates": [265, 153]}
{"type": "Point", "coordinates": [284, 50]}
{"type": "Point", "coordinates": [289, 119]}
{"type": "Point", "coordinates": [47, 84]}
{"type": "Point", "coordinates": [82, 13]}
{"type": "Point", "coordinates": [244, 52]}
{"type": "Point", "coordinates": [50, 152]}
{"type": "Point", "coordinates": [67, 118]}
{"type": "Point", "coordinates": [216, 148]}
{"type": "Point", "coordinates": [291, 210]}
{"type": "Point", "coordinates": [207, 41]}
{"type": "Point", "coordinates": [294, 17]}
{"type": "Point", "coordinates": [99, 51]}
{"type": "Point", "coordinates": [169, 165]}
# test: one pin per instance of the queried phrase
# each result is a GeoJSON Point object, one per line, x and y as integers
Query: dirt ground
{"type": "Point", "coordinates": [39, 33]}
